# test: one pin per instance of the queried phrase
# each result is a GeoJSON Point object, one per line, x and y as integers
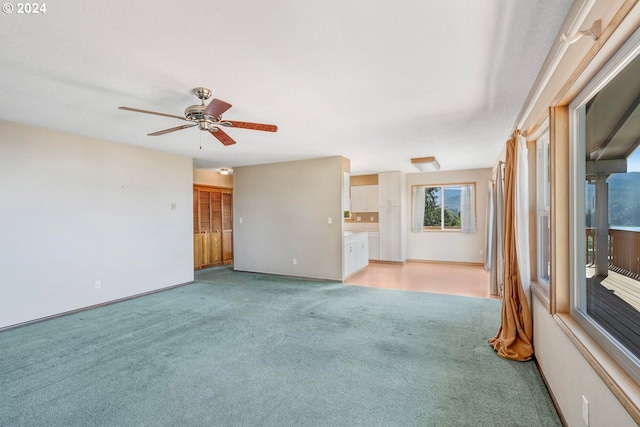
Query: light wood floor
{"type": "Point", "coordinates": [439, 278]}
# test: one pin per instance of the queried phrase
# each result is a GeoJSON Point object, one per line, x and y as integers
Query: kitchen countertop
{"type": "Point", "coordinates": [360, 227]}
{"type": "Point", "coordinates": [353, 232]}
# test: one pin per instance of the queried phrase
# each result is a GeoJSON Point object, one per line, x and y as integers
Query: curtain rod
{"type": "Point", "coordinates": [554, 57]}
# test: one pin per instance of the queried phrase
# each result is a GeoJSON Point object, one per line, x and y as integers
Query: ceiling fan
{"type": "Point", "coordinates": [207, 117]}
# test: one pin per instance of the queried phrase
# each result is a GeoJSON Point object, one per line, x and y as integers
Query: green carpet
{"type": "Point", "coordinates": [241, 349]}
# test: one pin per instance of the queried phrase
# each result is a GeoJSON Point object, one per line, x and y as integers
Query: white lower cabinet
{"type": "Point", "coordinates": [373, 245]}
{"type": "Point", "coordinates": [391, 244]}
{"type": "Point", "coordinates": [356, 252]}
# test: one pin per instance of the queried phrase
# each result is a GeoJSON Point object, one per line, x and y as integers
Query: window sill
{"type": "Point", "coordinates": [626, 390]}
{"type": "Point", "coordinates": [542, 293]}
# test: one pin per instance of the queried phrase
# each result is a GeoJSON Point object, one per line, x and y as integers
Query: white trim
{"type": "Point", "coordinates": [543, 199]}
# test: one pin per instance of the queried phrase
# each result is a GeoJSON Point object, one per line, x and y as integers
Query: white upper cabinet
{"type": "Point", "coordinates": [346, 198]}
{"type": "Point", "coordinates": [364, 198]}
{"type": "Point", "coordinates": [390, 188]}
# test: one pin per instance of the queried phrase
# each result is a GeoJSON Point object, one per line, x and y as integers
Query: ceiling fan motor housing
{"type": "Point", "coordinates": [196, 112]}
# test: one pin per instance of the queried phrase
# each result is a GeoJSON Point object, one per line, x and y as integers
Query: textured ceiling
{"type": "Point", "coordinates": [378, 82]}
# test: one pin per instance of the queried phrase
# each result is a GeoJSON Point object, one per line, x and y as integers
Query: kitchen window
{"type": "Point", "coordinates": [448, 207]}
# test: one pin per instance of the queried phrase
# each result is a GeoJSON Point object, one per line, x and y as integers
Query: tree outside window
{"type": "Point", "coordinates": [442, 208]}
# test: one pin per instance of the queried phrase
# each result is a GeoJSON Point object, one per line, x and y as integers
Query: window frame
{"type": "Point", "coordinates": [442, 228]}
{"type": "Point", "coordinates": [543, 204]}
{"type": "Point", "coordinates": [577, 250]}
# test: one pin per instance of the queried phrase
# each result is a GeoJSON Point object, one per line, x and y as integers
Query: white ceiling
{"type": "Point", "coordinates": [377, 81]}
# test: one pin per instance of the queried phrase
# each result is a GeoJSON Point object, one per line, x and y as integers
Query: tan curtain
{"type": "Point", "coordinates": [515, 335]}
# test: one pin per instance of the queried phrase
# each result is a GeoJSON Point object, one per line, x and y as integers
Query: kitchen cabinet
{"type": "Point", "coordinates": [346, 192]}
{"type": "Point", "coordinates": [364, 198]}
{"type": "Point", "coordinates": [390, 234]}
{"type": "Point", "coordinates": [390, 188]}
{"type": "Point", "coordinates": [373, 245]}
{"type": "Point", "coordinates": [356, 252]}
{"type": "Point", "coordinates": [392, 227]}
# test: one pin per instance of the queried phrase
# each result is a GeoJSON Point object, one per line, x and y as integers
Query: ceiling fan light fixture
{"type": "Point", "coordinates": [426, 164]}
{"type": "Point", "coordinates": [204, 125]}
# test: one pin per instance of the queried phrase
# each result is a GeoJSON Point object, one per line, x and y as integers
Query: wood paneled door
{"type": "Point", "coordinates": [212, 226]}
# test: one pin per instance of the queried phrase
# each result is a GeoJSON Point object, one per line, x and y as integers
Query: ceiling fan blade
{"type": "Point", "coordinates": [216, 107]}
{"type": "Point", "coordinates": [254, 126]}
{"type": "Point", "coordinates": [222, 136]}
{"type": "Point", "coordinates": [162, 132]}
{"type": "Point", "coordinates": [137, 110]}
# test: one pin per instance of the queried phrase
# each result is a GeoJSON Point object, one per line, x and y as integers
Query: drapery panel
{"type": "Point", "coordinates": [467, 209]}
{"type": "Point", "coordinates": [490, 238]}
{"type": "Point", "coordinates": [417, 220]}
{"type": "Point", "coordinates": [514, 337]}
{"type": "Point", "coordinates": [522, 214]}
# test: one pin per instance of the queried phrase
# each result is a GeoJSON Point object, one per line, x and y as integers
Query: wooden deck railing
{"type": "Point", "coordinates": [591, 245]}
{"type": "Point", "coordinates": [624, 251]}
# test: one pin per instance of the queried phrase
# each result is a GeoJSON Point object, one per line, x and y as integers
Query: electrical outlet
{"type": "Point", "coordinates": [371, 219]}
{"type": "Point", "coordinates": [329, 220]}
{"type": "Point", "coordinates": [98, 284]}
{"type": "Point", "coordinates": [585, 410]}
{"type": "Point", "coordinates": [295, 261]}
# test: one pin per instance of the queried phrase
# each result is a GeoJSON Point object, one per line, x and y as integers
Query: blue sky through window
{"type": "Point", "coordinates": [633, 162]}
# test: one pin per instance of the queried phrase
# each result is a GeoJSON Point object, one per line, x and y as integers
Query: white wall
{"type": "Point", "coordinates": [447, 245]}
{"type": "Point", "coordinates": [284, 209]}
{"type": "Point", "coordinates": [570, 376]}
{"type": "Point", "coordinates": [208, 177]}
{"type": "Point", "coordinates": [75, 210]}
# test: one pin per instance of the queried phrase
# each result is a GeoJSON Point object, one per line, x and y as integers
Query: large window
{"type": "Point", "coordinates": [605, 179]}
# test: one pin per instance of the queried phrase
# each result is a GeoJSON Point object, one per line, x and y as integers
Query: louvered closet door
{"type": "Point", "coordinates": [216, 224]}
{"type": "Point", "coordinates": [206, 237]}
{"type": "Point", "coordinates": [212, 227]}
{"type": "Point", "coordinates": [197, 244]}
{"type": "Point", "coordinates": [227, 228]}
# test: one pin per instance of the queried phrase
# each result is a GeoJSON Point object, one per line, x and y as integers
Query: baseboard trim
{"type": "Point", "coordinates": [91, 307]}
{"type": "Point", "coordinates": [380, 261]}
{"type": "Point", "coordinates": [427, 261]}
{"type": "Point", "coordinates": [290, 276]}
